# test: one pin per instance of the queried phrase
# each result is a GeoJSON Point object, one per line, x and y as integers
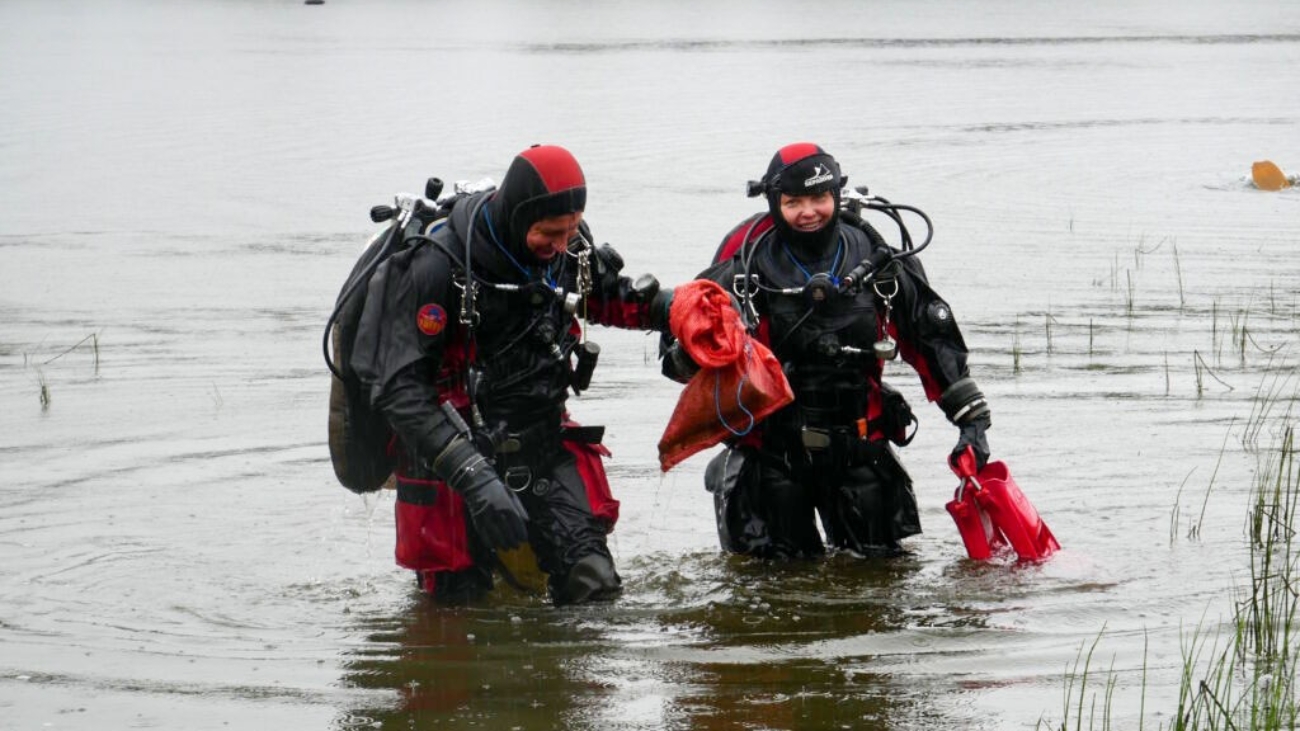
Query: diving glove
{"type": "Point", "coordinates": [661, 306]}
{"type": "Point", "coordinates": [972, 438]}
{"type": "Point", "coordinates": [497, 513]}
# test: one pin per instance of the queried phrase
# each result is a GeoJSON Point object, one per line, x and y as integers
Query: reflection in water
{"type": "Point", "coordinates": [708, 642]}
{"type": "Point", "coordinates": [450, 667]}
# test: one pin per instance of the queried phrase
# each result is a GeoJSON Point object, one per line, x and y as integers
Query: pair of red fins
{"type": "Point", "coordinates": [994, 516]}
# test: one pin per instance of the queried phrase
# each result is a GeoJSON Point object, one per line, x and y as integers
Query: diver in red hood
{"type": "Point", "coordinates": [798, 273]}
{"type": "Point", "coordinates": [469, 346]}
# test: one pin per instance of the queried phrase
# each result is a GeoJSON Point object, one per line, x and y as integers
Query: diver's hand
{"type": "Point", "coordinates": [974, 442]}
{"type": "Point", "coordinates": [660, 310]}
{"type": "Point", "coordinates": [497, 513]}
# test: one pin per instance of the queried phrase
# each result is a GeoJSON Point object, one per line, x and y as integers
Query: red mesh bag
{"type": "Point", "coordinates": [740, 381]}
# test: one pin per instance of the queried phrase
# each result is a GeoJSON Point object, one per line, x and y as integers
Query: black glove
{"type": "Point", "coordinates": [972, 437]}
{"type": "Point", "coordinates": [678, 364]}
{"type": "Point", "coordinates": [661, 306]}
{"type": "Point", "coordinates": [497, 513]}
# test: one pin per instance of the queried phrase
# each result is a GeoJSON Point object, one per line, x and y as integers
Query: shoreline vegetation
{"type": "Point", "coordinates": [1239, 673]}
{"type": "Point", "coordinates": [1236, 672]}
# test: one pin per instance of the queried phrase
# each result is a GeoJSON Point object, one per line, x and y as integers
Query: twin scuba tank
{"type": "Point", "coordinates": [361, 442]}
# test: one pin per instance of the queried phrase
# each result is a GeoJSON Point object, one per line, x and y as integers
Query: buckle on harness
{"type": "Point", "coordinates": [815, 439]}
{"type": "Point", "coordinates": [518, 478]}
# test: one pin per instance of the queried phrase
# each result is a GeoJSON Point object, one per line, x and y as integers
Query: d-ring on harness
{"type": "Point", "coordinates": [886, 348]}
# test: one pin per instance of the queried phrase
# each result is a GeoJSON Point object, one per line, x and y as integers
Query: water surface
{"type": "Point", "coordinates": [185, 187]}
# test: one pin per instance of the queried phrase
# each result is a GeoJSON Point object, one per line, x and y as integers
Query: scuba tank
{"type": "Point", "coordinates": [360, 439]}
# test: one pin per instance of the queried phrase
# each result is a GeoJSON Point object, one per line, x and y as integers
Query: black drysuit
{"type": "Point", "coordinates": [828, 452]}
{"type": "Point", "coordinates": [508, 376]}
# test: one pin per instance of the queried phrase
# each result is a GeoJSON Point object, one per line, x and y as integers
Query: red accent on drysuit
{"type": "Point", "coordinates": [432, 537]}
{"type": "Point", "coordinates": [737, 237]}
{"type": "Point", "coordinates": [910, 356]}
{"type": "Point", "coordinates": [592, 471]}
{"type": "Point", "coordinates": [617, 313]}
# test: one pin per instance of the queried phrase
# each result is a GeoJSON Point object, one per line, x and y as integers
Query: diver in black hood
{"type": "Point", "coordinates": [797, 272]}
{"type": "Point", "coordinates": [469, 346]}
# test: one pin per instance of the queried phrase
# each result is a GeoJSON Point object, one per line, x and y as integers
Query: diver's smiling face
{"type": "Point", "coordinates": [808, 213]}
{"type": "Point", "coordinates": [550, 236]}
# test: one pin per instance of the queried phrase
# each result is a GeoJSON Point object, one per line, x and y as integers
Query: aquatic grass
{"type": "Point", "coordinates": [1214, 327]}
{"type": "Point", "coordinates": [1080, 676]}
{"type": "Point", "coordinates": [1244, 678]}
{"type": "Point", "coordinates": [44, 392]}
{"type": "Point", "coordinates": [1139, 251]}
{"type": "Point", "coordinates": [1250, 337]}
{"type": "Point", "coordinates": [1112, 277]}
{"type": "Point", "coordinates": [1047, 326]}
{"type": "Point", "coordinates": [1015, 348]}
{"type": "Point", "coordinates": [1075, 697]}
{"type": "Point", "coordinates": [1268, 396]}
{"type": "Point", "coordinates": [1271, 607]}
{"type": "Point", "coordinates": [1177, 510]}
{"type": "Point", "coordinates": [1202, 368]}
{"type": "Point", "coordinates": [1239, 334]}
{"type": "Point", "coordinates": [1178, 272]}
{"type": "Point", "coordinates": [93, 338]}
{"type": "Point", "coordinates": [1194, 532]}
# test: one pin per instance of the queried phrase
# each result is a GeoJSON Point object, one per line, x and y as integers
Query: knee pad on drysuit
{"type": "Point", "coordinates": [593, 577]}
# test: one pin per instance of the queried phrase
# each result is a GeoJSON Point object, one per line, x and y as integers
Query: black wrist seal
{"type": "Point", "coordinates": [963, 402]}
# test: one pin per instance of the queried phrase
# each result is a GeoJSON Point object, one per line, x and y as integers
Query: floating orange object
{"type": "Point", "coordinates": [740, 381]}
{"type": "Point", "coordinates": [1268, 176]}
{"type": "Point", "coordinates": [992, 512]}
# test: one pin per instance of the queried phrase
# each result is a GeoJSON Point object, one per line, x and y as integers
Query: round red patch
{"type": "Point", "coordinates": [431, 319]}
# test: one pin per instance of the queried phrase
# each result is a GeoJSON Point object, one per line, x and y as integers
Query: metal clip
{"type": "Point", "coordinates": [886, 348]}
{"type": "Point", "coordinates": [744, 289]}
{"type": "Point", "coordinates": [585, 281]}
{"type": "Point", "coordinates": [468, 313]}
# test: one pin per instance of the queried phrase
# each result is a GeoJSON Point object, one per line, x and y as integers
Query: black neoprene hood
{"type": "Point", "coordinates": [542, 181]}
{"type": "Point", "coordinates": [802, 168]}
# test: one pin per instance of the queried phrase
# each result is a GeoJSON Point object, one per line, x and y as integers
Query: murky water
{"type": "Point", "coordinates": [185, 186]}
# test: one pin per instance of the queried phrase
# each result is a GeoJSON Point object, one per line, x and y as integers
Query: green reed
{"type": "Point", "coordinates": [1246, 679]}
{"type": "Point", "coordinates": [1015, 348]}
{"type": "Point", "coordinates": [1178, 271]}
{"type": "Point", "coordinates": [44, 393]}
